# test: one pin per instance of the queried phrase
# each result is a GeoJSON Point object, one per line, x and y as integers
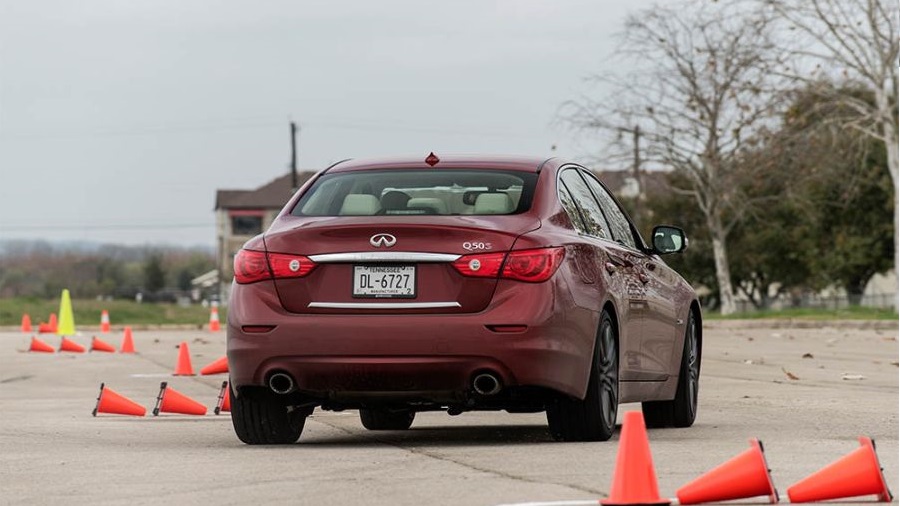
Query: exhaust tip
{"type": "Point", "coordinates": [281, 383]}
{"type": "Point", "coordinates": [486, 384]}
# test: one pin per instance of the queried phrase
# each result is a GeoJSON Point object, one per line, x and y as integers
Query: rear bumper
{"type": "Point", "coordinates": [414, 353]}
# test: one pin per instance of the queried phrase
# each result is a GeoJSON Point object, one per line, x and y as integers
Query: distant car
{"type": "Point", "coordinates": [398, 286]}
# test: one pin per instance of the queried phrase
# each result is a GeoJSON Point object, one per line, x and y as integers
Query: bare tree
{"type": "Point", "coordinates": [701, 94]}
{"type": "Point", "coordinates": [857, 40]}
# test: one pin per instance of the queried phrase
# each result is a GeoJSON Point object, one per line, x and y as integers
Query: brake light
{"type": "Point", "coordinates": [483, 265]}
{"type": "Point", "coordinates": [251, 266]}
{"type": "Point", "coordinates": [533, 266]}
{"type": "Point", "coordinates": [290, 266]}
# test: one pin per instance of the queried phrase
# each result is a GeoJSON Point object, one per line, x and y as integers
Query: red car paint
{"type": "Point", "coordinates": [530, 334]}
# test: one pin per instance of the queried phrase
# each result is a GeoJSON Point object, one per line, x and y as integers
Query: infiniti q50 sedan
{"type": "Point", "coordinates": [398, 286]}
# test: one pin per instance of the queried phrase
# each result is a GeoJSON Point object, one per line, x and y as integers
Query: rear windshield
{"type": "Point", "coordinates": [418, 192]}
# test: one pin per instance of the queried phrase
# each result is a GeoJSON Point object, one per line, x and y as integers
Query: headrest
{"type": "Point", "coordinates": [357, 204]}
{"type": "Point", "coordinates": [394, 200]}
{"type": "Point", "coordinates": [493, 203]}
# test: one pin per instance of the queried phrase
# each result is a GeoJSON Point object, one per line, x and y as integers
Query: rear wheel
{"type": "Point", "coordinates": [261, 418]}
{"type": "Point", "coordinates": [383, 419]}
{"type": "Point", "coordinates": [682, 410]}
{"type": "Point", "coordinates": [594, 417]}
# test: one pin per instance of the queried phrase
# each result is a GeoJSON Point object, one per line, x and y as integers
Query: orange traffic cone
{"type": "Point", "coordinates": [217, 367]}
{"type": "Point", "coordinates": [117, 404]}
{"type": "Point", "coordinates": [173, 401]}
{"type": "Point", "coordinates": [634, 481]}
{"type": "Point", "coordinates": [183, 367]}
{"type": "Point", "coordinates": [26, 323]}
{"type": "Point", "coordinates": [857, 473]}
{"type": "Point", "coordinates": [40, 346]}
{"type": "Point", "coordinates": [127, 342]}
{"type": "Point", "coordinates": [98, 344]}
{"type": "Point", "coordinates": [746, 475]}
{"type": "Point", "coordinates": [214, 319]}
{"type": "Point", "coordinates": [68, 345]}
{"type": "Point", "coordinates": [104, 322]}
{"type": "Point", "coordinates": [224, 401]}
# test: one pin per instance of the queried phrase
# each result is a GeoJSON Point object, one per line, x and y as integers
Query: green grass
{"type": "Point", "coordinates": [848, 313]}
{"type": "Point", "coordinates": [121, 312]}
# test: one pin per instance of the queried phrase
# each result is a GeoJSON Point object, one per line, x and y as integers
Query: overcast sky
{"type": "Point", "coordinates": [120, 119]}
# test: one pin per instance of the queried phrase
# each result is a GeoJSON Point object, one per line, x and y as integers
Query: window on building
{"type": "Point", "coordinates": [246, 225]}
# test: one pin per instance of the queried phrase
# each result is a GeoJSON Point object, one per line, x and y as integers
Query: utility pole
{"type": "Point", "coordinates": [294, 131]}
{"type": "Point", "coordinates": [636, 168]}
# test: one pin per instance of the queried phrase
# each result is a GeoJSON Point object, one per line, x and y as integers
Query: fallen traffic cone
{"type": "Point", "coordinates": [127, 342]}
{"type": "Point", "coordinates": [66, 316]}
{"type": "Point", "coordinates": [40, 346]}
{"type": "Point", "coordinates": [173, 401]}
{"type": "Point", "coordinates": [104, 322]}
{"type": "Point", "coordinates": [217, 367]}
{"type": "Point", "coordinates": [746, 475]}
{"type": "Point", "coordinates": [634, 481]}
{"type": "Point", "coordinates": [857, 473]}
{"type": "Point", "coordinates": [49, 327]}
{"type": "Point", "coordinates": [26, 323]}
{"type": "Point", "coordinates": [98, 344]}
{"type": "Point", "coordinates": [183, 367]}
{"type": "Point", "coordinates": [214, 319]}
{"type": "Point", "coordinates": [117, 404]}
{"type": "Point", "coordinates": [224, 401]}
{"type": "Point", "coordinates": [71, 346]}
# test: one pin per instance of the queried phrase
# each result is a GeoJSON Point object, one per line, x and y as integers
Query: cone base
{"type": "Point", "coordinates": [614, 503]}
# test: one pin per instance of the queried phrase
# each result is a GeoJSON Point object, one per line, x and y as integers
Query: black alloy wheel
{"type": "Point", "coordinates": [594, 417]}
{"type": "Point", "coordinates": [682, 410]}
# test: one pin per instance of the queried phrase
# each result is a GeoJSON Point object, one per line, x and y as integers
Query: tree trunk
{"type": "Point", "coordinates": [889, 132]}
{"type": "Point", "coordinates": [723, 270]}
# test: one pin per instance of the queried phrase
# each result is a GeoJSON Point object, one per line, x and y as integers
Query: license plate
{"type": "Point", "coordinates": [384, 281]}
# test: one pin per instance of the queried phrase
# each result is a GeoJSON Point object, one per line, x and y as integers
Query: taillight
{"type": "Point", "coordinates": [534, 265]}
{"type": "Point", "coordinates": [290, 266]}
{"type": "Point", "coordinates": [251, 266]}
{"type": "Point", "coordinates": [483, 265]}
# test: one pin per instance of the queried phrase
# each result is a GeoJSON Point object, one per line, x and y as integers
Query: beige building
{"type": "Point", "coordinates": [242, 214]}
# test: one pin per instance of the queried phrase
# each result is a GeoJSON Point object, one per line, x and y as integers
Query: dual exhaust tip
{"type": "Point", "coordinates": [485, 383]}
{"type": "Point", "coordinates": [281, 383]}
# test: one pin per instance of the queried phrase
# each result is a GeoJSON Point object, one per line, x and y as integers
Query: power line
{"type": "Point", "coordinates": [260, 123]}
{"type": "Point", "coordinates": [132, 226]}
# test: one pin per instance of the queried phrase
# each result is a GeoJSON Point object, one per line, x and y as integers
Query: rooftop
{"type": "Point", "coordinates": [272, 195]}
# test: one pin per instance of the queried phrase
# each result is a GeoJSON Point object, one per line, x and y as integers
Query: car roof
{"type": "Point", "coordinates": [522, 163]}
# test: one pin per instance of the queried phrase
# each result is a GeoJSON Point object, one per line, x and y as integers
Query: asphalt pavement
{"type": "Point", "coordinates": [53, 451]}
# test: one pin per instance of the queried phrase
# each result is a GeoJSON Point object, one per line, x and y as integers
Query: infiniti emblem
{"type": "Point", "coordinates": [386, 240]}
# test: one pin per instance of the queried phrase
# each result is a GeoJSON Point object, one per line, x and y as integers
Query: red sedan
{"type": "Point", "coordinates": [398, 286]}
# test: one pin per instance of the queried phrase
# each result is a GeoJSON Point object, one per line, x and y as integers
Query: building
{"type": "Point", "coordinates": [242, 214]}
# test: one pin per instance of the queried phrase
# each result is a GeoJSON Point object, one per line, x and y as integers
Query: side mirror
{"type": "Point", "coordinates": [668, 239]}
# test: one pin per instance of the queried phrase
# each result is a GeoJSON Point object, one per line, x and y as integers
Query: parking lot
{"type": "Point", "coordinates": [54, 451]}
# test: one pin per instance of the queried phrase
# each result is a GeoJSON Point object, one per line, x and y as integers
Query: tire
{"type": "Point", "coordinates": [594, 417]}
{"type": "Point", "coordinates": [260, 418]}
{"type": "Point", "coordinates": [382, 419]}
{"type": "Point", "coordinates": [682, 410]}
